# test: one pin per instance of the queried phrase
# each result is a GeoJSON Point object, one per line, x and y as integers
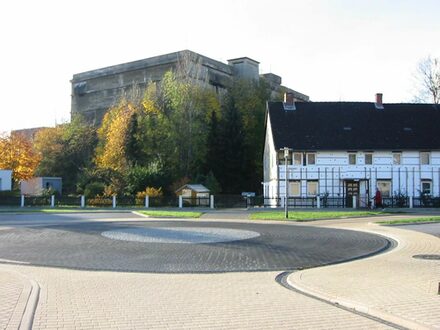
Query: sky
{"type": "Point", "coordinates": [334, 50]}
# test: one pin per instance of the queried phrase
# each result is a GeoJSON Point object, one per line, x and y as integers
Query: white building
{"type": "Point", "coordinates": [5, 180]}
{"type": "Point", "coordinates": [345, 149]}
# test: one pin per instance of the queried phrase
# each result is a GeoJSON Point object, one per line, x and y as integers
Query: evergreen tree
{"type": "Point", "coordinates": [232, 159]}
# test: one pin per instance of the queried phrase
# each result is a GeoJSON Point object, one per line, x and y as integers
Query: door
{"type": "Point", "coordinates": [351, 189]}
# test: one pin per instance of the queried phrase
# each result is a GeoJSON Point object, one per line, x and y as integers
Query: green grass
{"type": "Point", "coordinates": [38, 210]}
{"type": "Point", "coordinates": [172, 214]}
{"type": "Point", "coordinates": [308, 216]}
{"type": "Point", "coordinates": [414, 220]}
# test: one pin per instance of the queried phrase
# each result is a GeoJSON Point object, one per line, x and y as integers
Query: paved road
{"type": "Point", "coordinates": [428, 228]}
{"type": "Point", "coordinates": [70, 242]}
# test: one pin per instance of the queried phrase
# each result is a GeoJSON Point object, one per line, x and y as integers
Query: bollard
{"type": "Point", "coordinates": [114, 201]}
{"type": "Point", "coordinates": [83, 201]}
{"type": "Point", "coordinates": [180, 201]}
{"type": "Point", "coordinates": [147, 202]}
{"type": "Point", "coordinates": [211, 202]}
{"type": "Point", "coordinates": [354, 202]}
{"type": "Point", "coordinates": [411, 205]}
{"type": "Point", "coordinates": [22, 201]}
{"type": "Point", "coordinates": [52, 201]}
{"type": "Point", "coordinates": [318, 202]}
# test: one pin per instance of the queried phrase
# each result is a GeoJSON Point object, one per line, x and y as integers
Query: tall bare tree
{"type": "Point", "coordinates": [428, 79]}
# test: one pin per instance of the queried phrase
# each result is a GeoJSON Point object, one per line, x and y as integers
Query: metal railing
{"type": "Point", "coordinates": [220, 201]}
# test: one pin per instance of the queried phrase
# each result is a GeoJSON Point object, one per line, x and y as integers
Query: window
{"type": "Point", "coordinates": [424, 158]}
{"type": "Point", "coordinates": [368, 159]}
{"type": "Point", "coordinates": [396, 158]}
{"type": "Point", "coordinates": [297, 159]}
{"type": "Point", "coordinates": [312, 188]}
{"type": "Point", "coordinates": [384, 187]}
{"type": "Point", "coordinates": [352, 159]}
{"type": "Point", "coordinates": [294, 188]}
{"type": "Point", "coordinates": [311, 159]}
{"type": "Point", "coordinates": [281, 159]}
{"type": "Point", "coordinates": [426, 187]}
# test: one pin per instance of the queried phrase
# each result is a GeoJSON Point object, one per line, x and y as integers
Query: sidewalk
{"type": "Point", "coordinates": [14, 296]}
{"type": "Point", "coordinates": [393, 286]}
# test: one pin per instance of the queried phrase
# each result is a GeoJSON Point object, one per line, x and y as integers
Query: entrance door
{"type": "Point", "coordinates": [351, 189]}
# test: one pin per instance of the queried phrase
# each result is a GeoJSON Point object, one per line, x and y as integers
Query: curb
{"type": "Point", "coordinates": [31, 306]}
{"type": "Point", "coordinates": [408, 324]}
{"type": "Point", "coordinates": [353, 305]}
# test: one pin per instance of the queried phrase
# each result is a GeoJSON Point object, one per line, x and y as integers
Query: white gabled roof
{"type": "Point", "coordinates": [196, 187]}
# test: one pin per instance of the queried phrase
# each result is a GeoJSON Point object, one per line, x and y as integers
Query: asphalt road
{"type": "Point", "coordinates": [75, 241]}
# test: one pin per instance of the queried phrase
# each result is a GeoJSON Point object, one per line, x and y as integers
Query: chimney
{"type": "Point", "coordinates": [379, 104]}
{"type": "Point", "coordinates": [289, 103]}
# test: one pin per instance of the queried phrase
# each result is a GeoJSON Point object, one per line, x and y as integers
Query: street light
{"type": "Point", "coordinates": [286, 186]}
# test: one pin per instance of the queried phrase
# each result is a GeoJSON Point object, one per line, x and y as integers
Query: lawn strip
{"type": "Point", "coordinates": [309, 216]}
{"type": "Point", "coordinates": [432, 219]}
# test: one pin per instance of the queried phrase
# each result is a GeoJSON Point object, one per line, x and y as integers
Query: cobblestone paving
{"type": "Point", "coordinates": [279, 247]}
{"type": "Point", "coordinates": [14, 291]}
{"type": "Point", "coordinates": [393, 283]}
{"type": "Point", "coordinates": [72, 299]}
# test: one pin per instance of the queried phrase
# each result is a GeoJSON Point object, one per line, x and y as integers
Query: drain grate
{"type": "Point", "coordinates": [427, 256]}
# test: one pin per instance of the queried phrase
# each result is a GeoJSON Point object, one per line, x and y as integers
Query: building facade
{"type": "Point", "coordinates": [95, 91]}
{"type": "Point", "coordinates": [350, 149]}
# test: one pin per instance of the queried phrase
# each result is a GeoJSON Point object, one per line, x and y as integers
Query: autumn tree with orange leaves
{"type": "Point", "coordinates": [17, 154]}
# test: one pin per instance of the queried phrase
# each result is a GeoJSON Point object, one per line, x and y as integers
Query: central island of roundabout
{"type": "Point", "coordinates": [168, 246]}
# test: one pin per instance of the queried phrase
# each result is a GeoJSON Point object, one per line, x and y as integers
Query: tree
{"type": "Point", "coordinates": [17, 154]}
{"type": "Point", "coordinates": [231, 135]}
{"type": "Point", "coordinates": [114, 137]}
{"type": "Point", "coordinates": [249, 98]}
{"type": "Point", "coordinates": [66, 150]}
{"type": "Point", "coordinates": [428, 78]}
{"type": "Point", "coordinates": [188, 102]}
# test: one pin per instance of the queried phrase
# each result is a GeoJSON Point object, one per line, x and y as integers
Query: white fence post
{"type": "Point", "coordinates": [52, 201]}
{"type": "Point", "coordinates": [147, 202]}
{"type": "Point", "coordinates": [211, 202]}
{"type": "Point", "coordinates": [180, 201]}
{"type": "Point", "coordinates": [83, 201]}
{"type": "Point", "coordinates": [114, 201]}
{"type": "Point", "coordinates": [22, 201]}
{"type": "Point", "coordinates": [318, 202]}
{"type": "Point", "coordinates": [411, 205]}
{"type": "Point", "coordinates": [354, 202]}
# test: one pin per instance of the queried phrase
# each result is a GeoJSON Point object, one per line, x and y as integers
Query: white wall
{"type": "Point", "coordinates": [332, 168]}
{"type": "Point", "coordinates": [5, 180]}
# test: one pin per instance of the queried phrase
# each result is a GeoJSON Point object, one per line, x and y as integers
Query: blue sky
{"type": "Point", "coordinates": [329, 50]}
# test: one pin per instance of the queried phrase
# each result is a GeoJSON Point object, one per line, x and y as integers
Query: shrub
{"type": "Point", "coordinates": [94, 189]}
{"type": "Point", "coordinates": [150, 192]}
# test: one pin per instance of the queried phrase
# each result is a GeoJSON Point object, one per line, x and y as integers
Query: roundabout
{"type": "Point", "coordinates": [172, 246]}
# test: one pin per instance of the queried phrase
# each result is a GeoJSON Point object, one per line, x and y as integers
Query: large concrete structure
{"type": "Point", "coordinates": [93, 92]}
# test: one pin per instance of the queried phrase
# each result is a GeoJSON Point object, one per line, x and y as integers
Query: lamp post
{"type": "Point", "coordinates": [286, 186]}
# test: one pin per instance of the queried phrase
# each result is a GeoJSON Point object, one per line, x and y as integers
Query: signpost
{"type": "Point", "coordinates": [286, 198]}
